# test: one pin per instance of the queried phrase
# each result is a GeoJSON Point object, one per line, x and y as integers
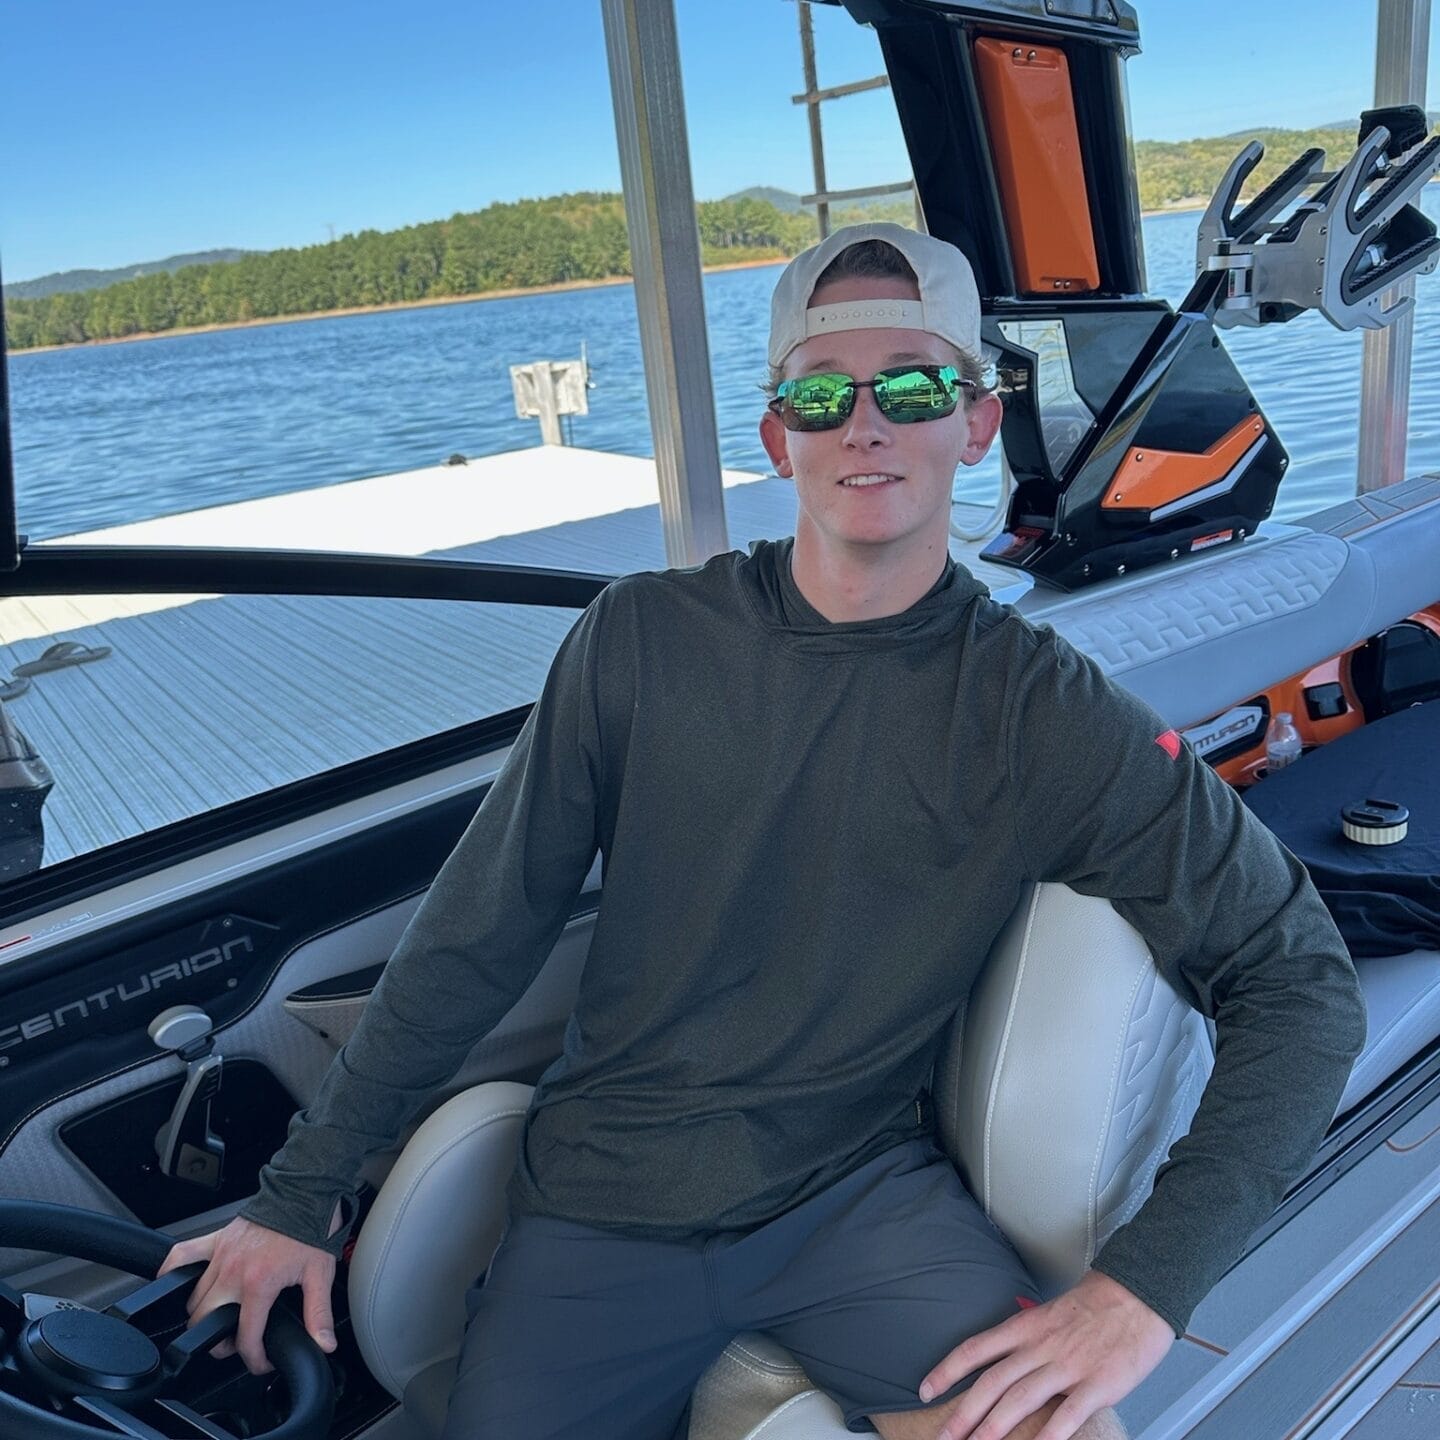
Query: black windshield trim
{"type": "Point", "coordinates": [167, 570]}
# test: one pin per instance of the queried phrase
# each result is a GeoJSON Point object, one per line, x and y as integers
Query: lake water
{"type": "Point", "coordinates": [117, 433]}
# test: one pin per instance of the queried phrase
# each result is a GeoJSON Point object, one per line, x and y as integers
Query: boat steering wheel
{"type": "Point", "coordinates": [79, 1374]}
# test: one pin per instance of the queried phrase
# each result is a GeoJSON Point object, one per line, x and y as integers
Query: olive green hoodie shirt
{"type": "Point", "coordinates": [811, 834]}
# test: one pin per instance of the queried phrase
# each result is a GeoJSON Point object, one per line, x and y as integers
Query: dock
{"type": "Point", "coordinates": [207, 699]}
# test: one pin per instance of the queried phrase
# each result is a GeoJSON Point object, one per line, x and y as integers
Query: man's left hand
{"type": "Point", "coordinates": [1093, 1345]}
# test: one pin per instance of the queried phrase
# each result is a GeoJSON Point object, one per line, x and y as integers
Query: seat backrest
{"type": "Point", "coordinates": [1066, 1078]}
{"type": "Point", "coordinates": [431, 1232]}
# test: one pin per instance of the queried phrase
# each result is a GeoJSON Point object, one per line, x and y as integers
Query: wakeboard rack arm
{"type": "Point", "coordinates": [1339, 251]}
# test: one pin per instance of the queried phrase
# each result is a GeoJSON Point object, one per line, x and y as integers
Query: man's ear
{"type": "Point", "coordinates": [776, 440]}
{"type": "Point", "coordinates": [983, 419]}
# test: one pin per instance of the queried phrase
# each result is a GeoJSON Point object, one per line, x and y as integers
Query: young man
{"type": "Point", "coordinates": [820, 776]}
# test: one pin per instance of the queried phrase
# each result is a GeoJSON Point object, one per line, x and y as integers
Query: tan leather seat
{"type": "Point", "coordinates": [1063, 1082]}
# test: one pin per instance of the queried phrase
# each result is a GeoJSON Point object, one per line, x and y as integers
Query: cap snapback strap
{"type": "Point", "coordinates": [865, 315]}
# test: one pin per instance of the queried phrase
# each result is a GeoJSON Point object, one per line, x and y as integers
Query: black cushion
{"type": "Point", "coordinates": [1385, 898]}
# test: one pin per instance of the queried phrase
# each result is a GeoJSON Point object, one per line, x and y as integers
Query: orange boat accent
{"type": "Point", "coordinates": [1149, 478]}
{"type": "Point", "coordinates": [1249, 766]}
{"type": "Point", "coordinates": [1030, 114]}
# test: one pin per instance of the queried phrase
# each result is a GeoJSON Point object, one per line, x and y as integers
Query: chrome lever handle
{"type": "Point", "coordinates": [186, 1147]}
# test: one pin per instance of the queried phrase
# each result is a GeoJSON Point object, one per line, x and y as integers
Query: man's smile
{"type": "Point", "coordinates": [873, 479]}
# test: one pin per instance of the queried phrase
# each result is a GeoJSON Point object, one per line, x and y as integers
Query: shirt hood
{"type": "Point", "coordinates": [769, 587]}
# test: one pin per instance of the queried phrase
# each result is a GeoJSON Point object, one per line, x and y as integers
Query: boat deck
{"type": "Point", "coordinates": [217, 698]}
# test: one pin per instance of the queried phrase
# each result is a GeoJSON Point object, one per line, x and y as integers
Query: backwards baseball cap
{"type": "Point", "coordinates": [949, 303]}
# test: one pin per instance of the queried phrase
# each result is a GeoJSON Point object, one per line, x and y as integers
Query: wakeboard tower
{"type": "Point", "coordinates": [1132, 438]}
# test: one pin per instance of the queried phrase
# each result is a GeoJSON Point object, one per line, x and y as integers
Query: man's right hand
{"type": "Point", "coordinates": [251, 1265]}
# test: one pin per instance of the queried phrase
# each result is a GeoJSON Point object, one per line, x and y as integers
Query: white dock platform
{"type": "Point", "coordinates": [208, 699]}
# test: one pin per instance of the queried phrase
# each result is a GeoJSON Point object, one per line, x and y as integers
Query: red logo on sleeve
{"type": "Point", "coordinates": [1169, 742]}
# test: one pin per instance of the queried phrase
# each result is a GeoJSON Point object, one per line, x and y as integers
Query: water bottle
{"type": "Point", "coordinates": [1282, 742]}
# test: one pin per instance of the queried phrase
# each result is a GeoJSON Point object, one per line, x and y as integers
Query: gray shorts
{"type": "Point", "coordinates": [577, 1332]}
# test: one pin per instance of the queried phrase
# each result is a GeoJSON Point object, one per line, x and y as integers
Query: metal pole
{"type": "Point", "coordinates": [812, 109]}
{"type": "Point", "coordinates": [549, 405]}
{"type": "Point", "coordinates": [9, 539]}
{"type": "Point", "coordinates": [1401, 50]}
{"type": "Point", "coordinates": [665, 255]}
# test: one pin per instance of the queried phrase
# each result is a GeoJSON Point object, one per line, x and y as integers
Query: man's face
{"type": "Point", "coordinates": [918, 460]}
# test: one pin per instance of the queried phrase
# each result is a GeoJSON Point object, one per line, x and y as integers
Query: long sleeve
{"type": "Point", "coordinates": [471, 949]}
{"type": "Point", "coordinates": [1113, 803]}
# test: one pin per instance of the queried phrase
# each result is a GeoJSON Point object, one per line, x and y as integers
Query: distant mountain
{"type": "Point", "coordinates": [1350, 124]}
{"type": "Point", "coordinates": [786, 202]}
{"type": "Point", "coordinates": [69, 281]}
{"type": "Point", "coordinates": [844, 212]}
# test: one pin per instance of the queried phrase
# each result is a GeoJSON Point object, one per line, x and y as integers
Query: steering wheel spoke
{"type": "Point", "coordinates": [219, 1324]}
{"type": "Point", "coordinates": [122, 1422]}
{"type": "Point", "coordinates": [117, 1421]}
{"type": "Point", "coordinates": [132, 1307]}
{"type": "Point", "coordinates": [12, 1310]}
{"type": "Point", "coordinates": [200, 1427]}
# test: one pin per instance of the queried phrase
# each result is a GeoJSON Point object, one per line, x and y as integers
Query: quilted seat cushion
{"type": "Point", "coordinates": [1065, 1080]}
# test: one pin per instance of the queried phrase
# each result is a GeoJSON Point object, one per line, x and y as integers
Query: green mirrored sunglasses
{"type": "Point", "coordinates": [905, 395]}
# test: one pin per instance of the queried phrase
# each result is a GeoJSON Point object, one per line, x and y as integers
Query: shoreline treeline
{"type": "Point", "coordinates": [507, 246]}
{"type": "Point", "coordinates": [527, 244]}
{"type": "Point", "coordinates": [1173, 173]}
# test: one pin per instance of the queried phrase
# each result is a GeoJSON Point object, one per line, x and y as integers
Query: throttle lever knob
{"type": "Point", "coordinates": [180, 1027]}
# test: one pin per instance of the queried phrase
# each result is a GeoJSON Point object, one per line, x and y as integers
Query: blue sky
{"type": "Point", "coordinates": [153, 128]}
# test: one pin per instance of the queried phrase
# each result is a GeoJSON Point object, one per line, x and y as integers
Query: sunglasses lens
{"type": "Point", "coordinates": [906, 396]}
{"type": "Point", "coordinates": [816, 402]}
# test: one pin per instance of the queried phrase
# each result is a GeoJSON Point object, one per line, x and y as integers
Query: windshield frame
{"type": "Point", "coordinates": [9, 536]}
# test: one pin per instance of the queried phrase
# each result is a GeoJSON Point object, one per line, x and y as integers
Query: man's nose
{"type": "Point", "coordinates": [866, 427]}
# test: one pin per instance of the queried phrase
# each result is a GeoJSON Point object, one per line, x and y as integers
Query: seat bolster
{"type": "Point", "coordinates": [426, 1401]}
{"type": "Point", "coordinates": [432, 1231]}
{"type": "Point", "coordinates": [810, 1415]}
{"type": "Point", "coordinates": [1066, 1079]}
{"type": "Point", "coordinates": [744, 1385]}
{"type": "Point", "coordinates": [1402, 1003]}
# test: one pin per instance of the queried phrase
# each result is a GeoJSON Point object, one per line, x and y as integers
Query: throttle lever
{"type": "Point", "coordinates": [186, 1147]}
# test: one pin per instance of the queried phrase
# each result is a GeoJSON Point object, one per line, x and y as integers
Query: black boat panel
{"type": "Point", "coordinates": [331, 912]}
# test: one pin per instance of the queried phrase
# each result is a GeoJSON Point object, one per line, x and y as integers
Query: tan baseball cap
{"type": "Point", "coordinates": [949, 303]}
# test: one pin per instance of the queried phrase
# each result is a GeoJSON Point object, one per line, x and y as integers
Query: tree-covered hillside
{"type": "Point", "coordinates": [521, 245]}
{"type": "Point", "coordinates": [528, 244]}
{"type": "Point", "coordinates": [1187, 172]}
